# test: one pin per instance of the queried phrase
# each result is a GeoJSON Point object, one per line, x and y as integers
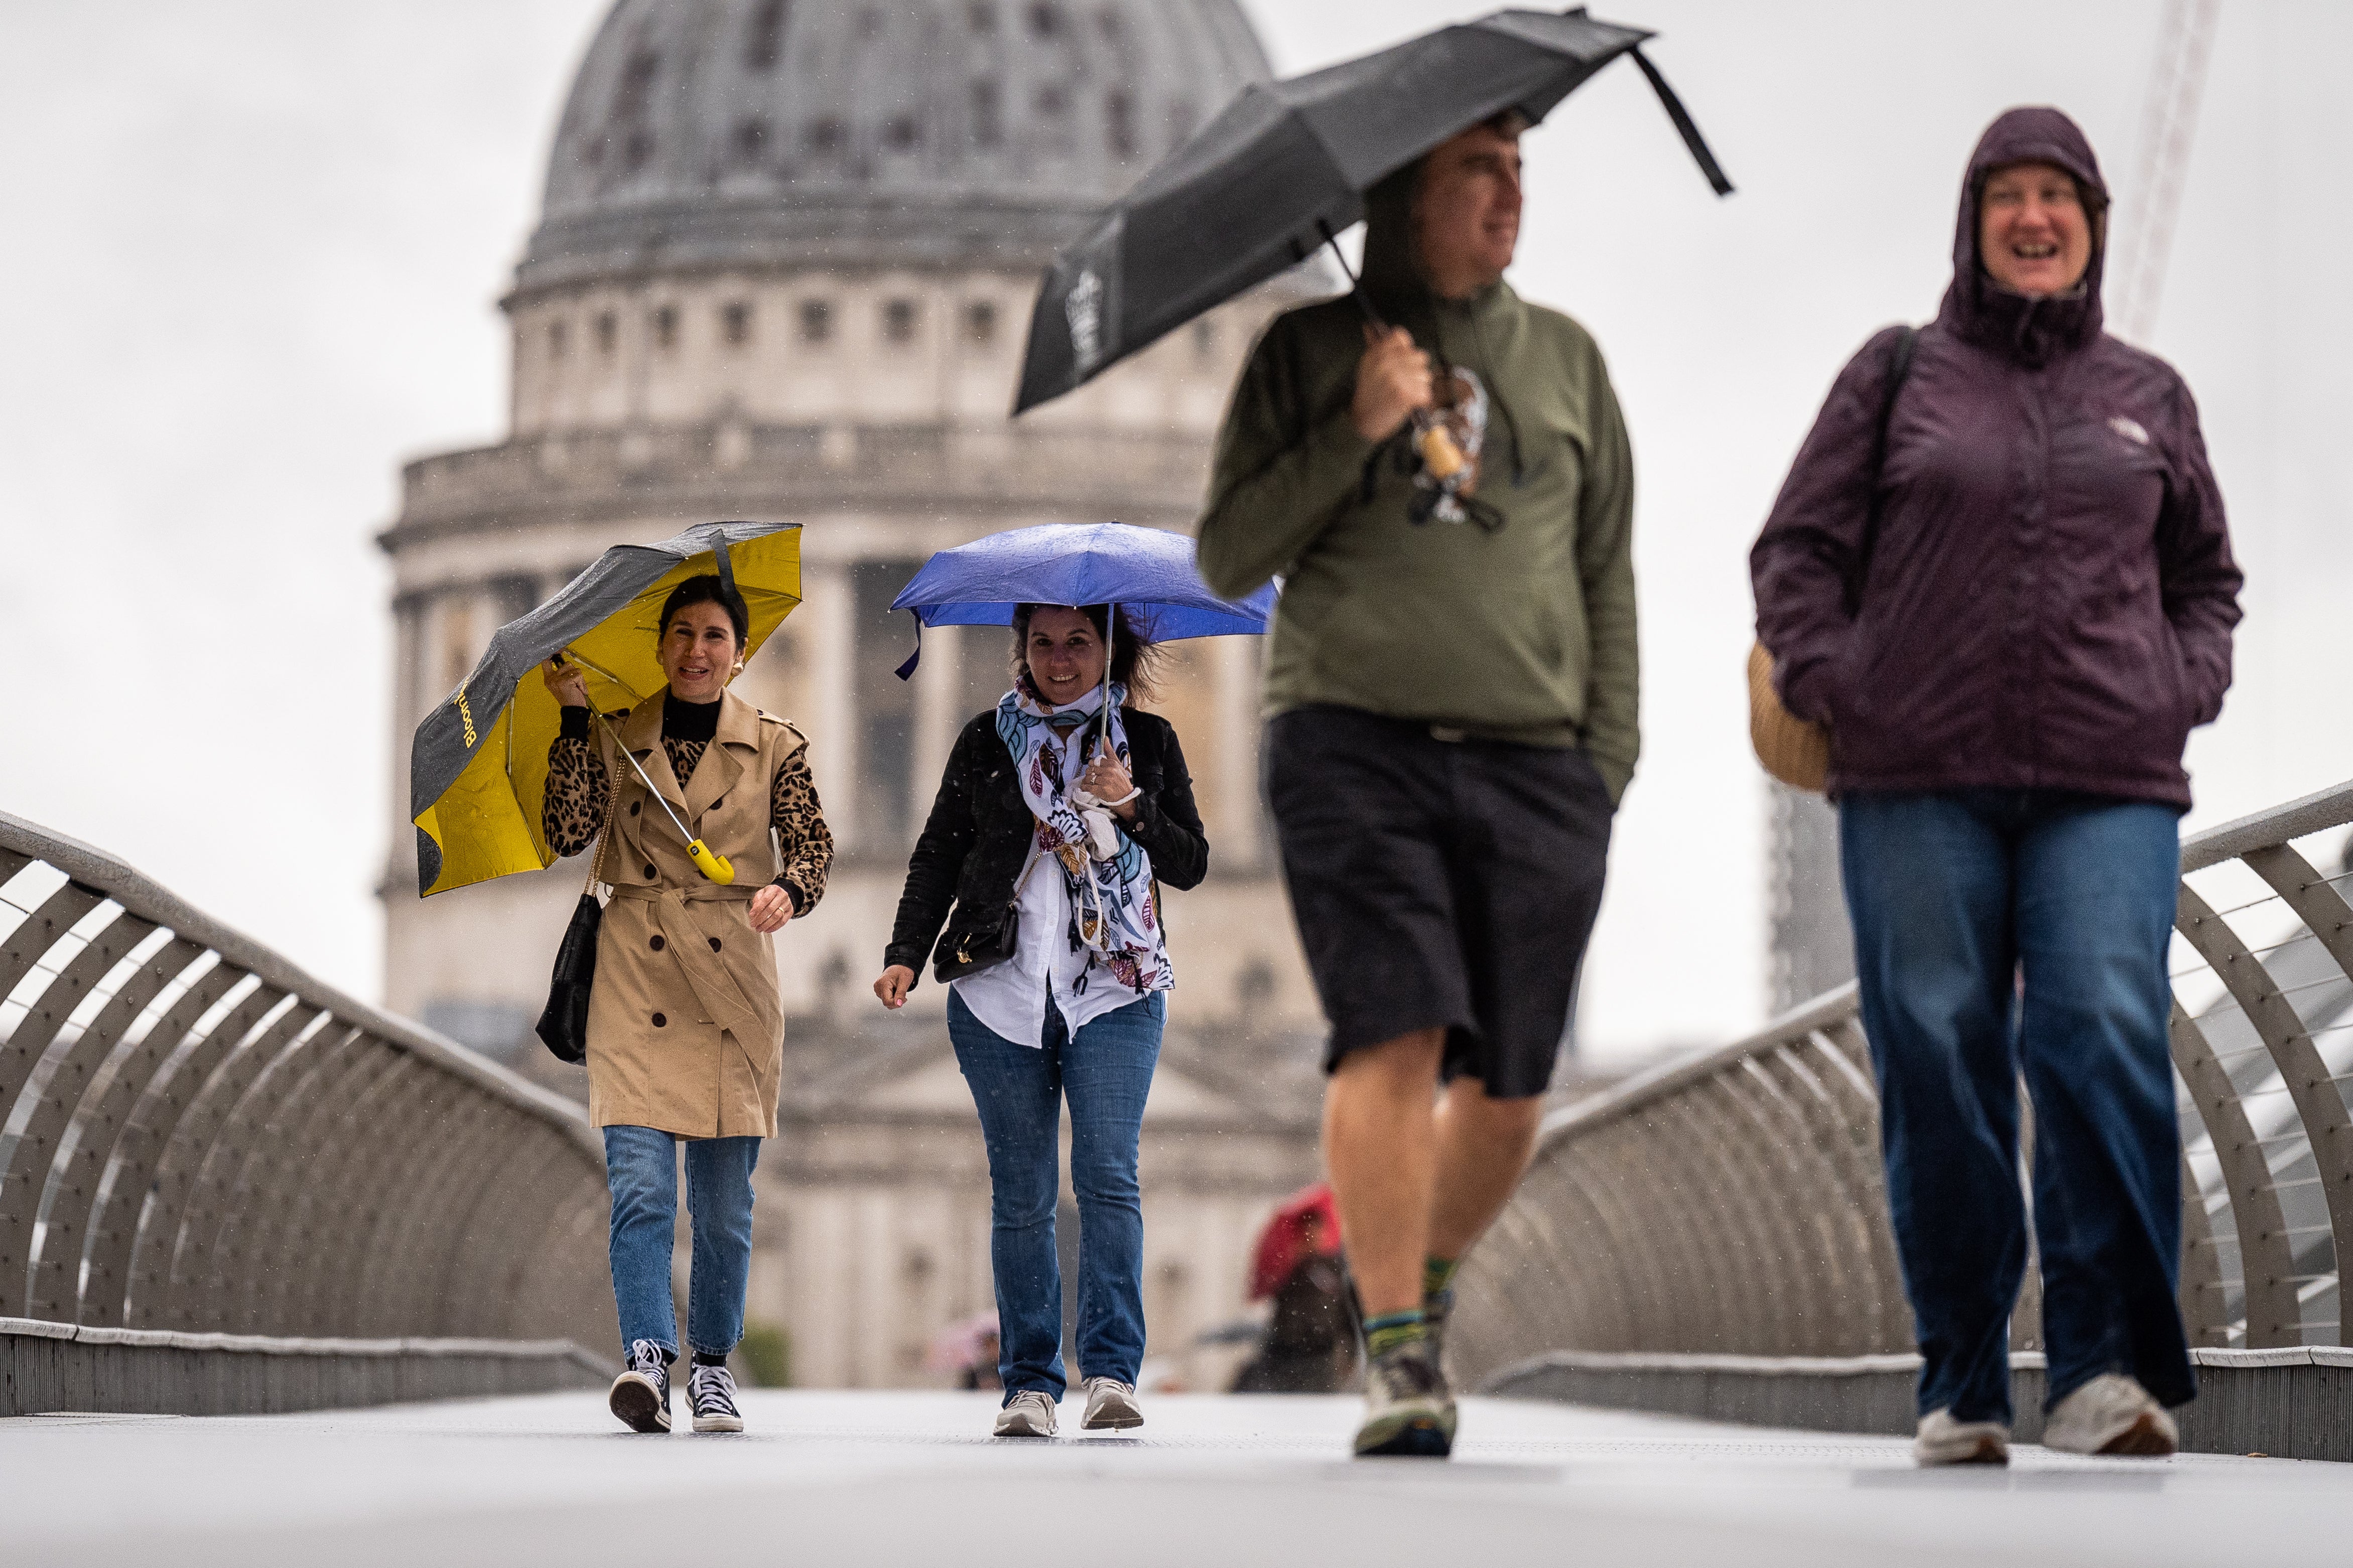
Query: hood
{"type": "Point", "coordinates": [2033, 331]}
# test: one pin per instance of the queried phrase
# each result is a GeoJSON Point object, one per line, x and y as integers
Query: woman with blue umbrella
{"type": "Point", "coordinates": [1063, 811]}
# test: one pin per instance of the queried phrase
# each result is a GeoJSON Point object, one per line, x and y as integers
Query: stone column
{"type": "Point", "coordinates": [824, 617]}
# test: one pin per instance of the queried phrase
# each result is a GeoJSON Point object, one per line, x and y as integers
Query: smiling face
{"type": "Point", "coordinates": [2034, 235]}
{"type": "Point", "coordinates": [1466, 211]}
{"type": "Point", "coordinates": [698, 652]}
{"type": "Point", "coordinates": [1064, 652]}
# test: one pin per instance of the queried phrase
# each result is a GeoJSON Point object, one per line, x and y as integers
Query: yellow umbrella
{"type": "Point", "coordinates": [477, 771]}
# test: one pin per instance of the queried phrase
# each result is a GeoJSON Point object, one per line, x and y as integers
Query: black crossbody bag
{"type": "Point", "coordinates": [979, 950]}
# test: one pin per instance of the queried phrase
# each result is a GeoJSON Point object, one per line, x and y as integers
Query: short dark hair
{"type": "Point", "coordinates": [706, 589]}
{"type": "Point", "coordinates": [1135, 657]}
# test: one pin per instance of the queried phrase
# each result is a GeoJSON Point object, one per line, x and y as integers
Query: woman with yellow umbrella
{"type": "Point", "coordinates": [685, 1027]}
{"type": "Point", "coordinates": [710, 836]}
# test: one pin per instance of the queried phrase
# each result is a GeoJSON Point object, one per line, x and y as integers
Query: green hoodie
{"type": "Point", "coordinates": [1523, 633]}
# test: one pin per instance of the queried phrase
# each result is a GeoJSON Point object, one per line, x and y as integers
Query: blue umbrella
{"type": "Point", "coordinates": [1146, 571]}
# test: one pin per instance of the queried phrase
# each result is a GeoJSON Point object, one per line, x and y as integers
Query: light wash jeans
{"type": "Point", "coordinates": [641, 1168]}
{"type": "Point", "coordinates": [1955, 897]}
{"type": "Point", "coordinates": [1106, 1071]}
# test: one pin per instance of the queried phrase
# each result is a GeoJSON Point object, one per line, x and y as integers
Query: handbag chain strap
{"type": "Point", "coordinates": [605, 836]}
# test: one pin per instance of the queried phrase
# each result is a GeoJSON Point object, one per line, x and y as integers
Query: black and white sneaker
{"type": "Point", "coordinates": [711, 1390]}
{"type": "Point", "coordinates": [640, 1395]}
{"type": "Point", "coordinates": [1409, 1408]}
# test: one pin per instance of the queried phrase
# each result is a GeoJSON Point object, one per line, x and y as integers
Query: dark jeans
{"type": "Point", "coordinates": [1106, 1070]}
{"type": "Point", "coordinates": [641, 1168]}
{"type": "Point", "coordinates": [1957, 898]}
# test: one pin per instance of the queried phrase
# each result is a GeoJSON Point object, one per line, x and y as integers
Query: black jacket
{"type": "Point", "coordinates": [977, 836]}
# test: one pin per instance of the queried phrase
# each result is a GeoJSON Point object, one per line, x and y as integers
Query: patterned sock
{"type": "Point", "coordinates": [1438, 1275]}
{"type": "Point", "coordinates": [1391, 1330]}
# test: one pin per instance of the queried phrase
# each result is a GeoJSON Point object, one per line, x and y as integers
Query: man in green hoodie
{"type": "Point", "coordinates": [1452, 691]}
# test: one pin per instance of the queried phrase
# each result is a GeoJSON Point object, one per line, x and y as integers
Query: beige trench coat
{"type": "Point", "coordinates": [686, 1032]}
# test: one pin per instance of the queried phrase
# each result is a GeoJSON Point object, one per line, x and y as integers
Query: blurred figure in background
{"type": "Point", "coordinates": [1310, 1336]}
{"type": "Point", "coordinates": [2009, 664]}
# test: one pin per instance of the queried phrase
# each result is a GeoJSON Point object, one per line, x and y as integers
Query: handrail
{"type": "Point", "coordinates": [1731, 1200]}
{"type": "Point", "coordinates": [200, 1136]}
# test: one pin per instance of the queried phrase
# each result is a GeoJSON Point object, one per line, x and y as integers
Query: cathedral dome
{"type": "Point", "coordinates": [715, 133]}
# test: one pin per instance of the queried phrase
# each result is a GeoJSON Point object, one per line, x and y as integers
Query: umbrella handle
{"type": "Point", "coordinates": [718, 868]}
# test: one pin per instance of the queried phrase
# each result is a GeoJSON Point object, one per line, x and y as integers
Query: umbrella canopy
{"type": "Point", "coordinates": [1147, 572]}
{"type": "Point", "coordinates": [1286, 167]}
{"type": "Point", "coordinates": [1282, 1245]}
{"type": "Point", "coordinates": [477, 770]}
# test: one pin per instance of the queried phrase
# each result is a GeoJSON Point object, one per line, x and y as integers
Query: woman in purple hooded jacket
{"type": "Point", "coordinates": [2010, 660]}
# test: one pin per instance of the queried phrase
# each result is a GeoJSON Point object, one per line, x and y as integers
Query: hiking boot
{"type": "Point", "coordinates": [1028, 1413]}
{"type": "Point", "coordinates": [710, 1391]}
{"type": "Point", "coordinates": [1111, 1406]}
{"type": "Point", "coordinates": [2111, 1415]}
{"type": "Point", "coordinates": [1409, 1408]}
{"type": "Point", "coordinates": [1945, 1441]}
{"type": "Point", "coordinates": [640, 1395]}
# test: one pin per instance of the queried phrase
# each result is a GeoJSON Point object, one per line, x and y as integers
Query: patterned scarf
{"type": "Point", "coordinates": [1110, 900]}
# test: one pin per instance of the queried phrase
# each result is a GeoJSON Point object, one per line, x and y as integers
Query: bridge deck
{"type": "Point", "coordinates": [847, 1478]}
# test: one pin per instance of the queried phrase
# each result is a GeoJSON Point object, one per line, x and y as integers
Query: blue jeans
{"type": "Point", "coordinates": [2002, 931]}
{"type": "Point", "coordinates": [641, 1169]}
{"type": "Point", "coordinates": [1106, 1070]}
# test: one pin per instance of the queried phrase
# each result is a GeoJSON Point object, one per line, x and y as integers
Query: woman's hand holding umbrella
{"type": "Point", "coordinates": [570, 687]}
{"type": "Point", "coordinates": [1107, 779]}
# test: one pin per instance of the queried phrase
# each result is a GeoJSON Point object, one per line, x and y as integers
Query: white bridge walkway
{"type": "Point", "coordinates": [856, 1478]}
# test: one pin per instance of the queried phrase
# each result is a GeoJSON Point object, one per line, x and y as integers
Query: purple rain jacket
{"type": "Point", "coordinates": [2049, 599]}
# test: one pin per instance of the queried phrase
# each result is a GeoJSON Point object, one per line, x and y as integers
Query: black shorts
{"type": "Point", "coordinates": [1440, 884]}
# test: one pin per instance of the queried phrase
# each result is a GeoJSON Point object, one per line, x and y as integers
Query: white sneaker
{"type": "Point", "coordinates": [1028, 1414]}
{"type": "Point", "coordinates": [2111, 1415]}
{"type": "Point", "coordinates": [1111, 1406]}
{"type": "Point", "coordinates": [1945, 1441]}
{"type": "Point", "coordinates": [711, 1390]}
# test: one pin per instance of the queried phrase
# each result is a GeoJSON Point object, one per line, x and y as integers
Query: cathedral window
{"type": "Point", "coordinates": [1046, 19]}
{"type": "Point", "coordinates": [764, 44]}
{"type": "Point", "coordinates": [903, 134]}
{"type": "Point", "coordinates": [899, 320]}
{"type": "Point", "coordinates": [735, 322]}
{"type": "Point", "coordinates": [608, 332]}
{"type": "Point", "coordinates": [987, 118]}
{"type": "Point", "coordinates": [817, 322]}
{"type": "Point", "coordinates": [666, 326]}
{"type": "Point", "coordinates": [1119, 125]}
{"type": "Point", "coordinates": [751, 138]}
{"type": "Point", "coordinates": [827, 136]}
{"type": "Point", "coordinates": [980, 323]}
{"type": "Point", "coordinates": [1052, 101]}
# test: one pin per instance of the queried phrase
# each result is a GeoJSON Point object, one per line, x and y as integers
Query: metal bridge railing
{"type": "Point", "coordinates": [199, 1137]}
{"type": "Point", "coordinates": [1732, 1204]}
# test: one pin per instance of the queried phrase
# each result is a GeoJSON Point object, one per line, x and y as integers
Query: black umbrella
{"type": "Point", "coordinates": [1286, 167]}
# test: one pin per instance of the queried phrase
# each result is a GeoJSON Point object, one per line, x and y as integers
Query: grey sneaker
{"type": "Point", "coordinates": [1945, 1441]}
{"type": "Point", "coordinates": [1028, 1413]}
{"type": "Point", "coordinates": [1409, 1408]}
{"type": "Point", "coordinates": [711, 1390]}
{"type": "Point", "coordinates": [640, 1395]}
{"type": "Point", "coordinates": [1111, 1406]}
{"type": "Point", "coordinates": [2111, 1415]}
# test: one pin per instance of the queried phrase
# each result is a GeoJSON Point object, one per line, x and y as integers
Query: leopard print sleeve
{"type": "Point", "coordinates": [800, 822]}
{"type": "Point", "coordinates": [572, 813]}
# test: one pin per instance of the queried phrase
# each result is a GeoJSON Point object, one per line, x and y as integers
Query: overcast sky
{"type": "Point", "coordinates": [253, 248]}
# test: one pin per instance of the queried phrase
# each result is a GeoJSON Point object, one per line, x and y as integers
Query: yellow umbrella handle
{"type": "Point", "coordinates": [715, 867]}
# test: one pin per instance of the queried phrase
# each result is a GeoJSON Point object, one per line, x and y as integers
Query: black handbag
{"type": "Point", "coordinates": [564, 1025]}
{"type": "Point", "coordinates": [979, 950]}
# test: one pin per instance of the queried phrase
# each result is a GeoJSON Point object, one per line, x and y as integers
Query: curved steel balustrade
{"type": "Point", "coordinates": [198, 1136]}
{"type": "Point", "coordinates": [1732, 1202]}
